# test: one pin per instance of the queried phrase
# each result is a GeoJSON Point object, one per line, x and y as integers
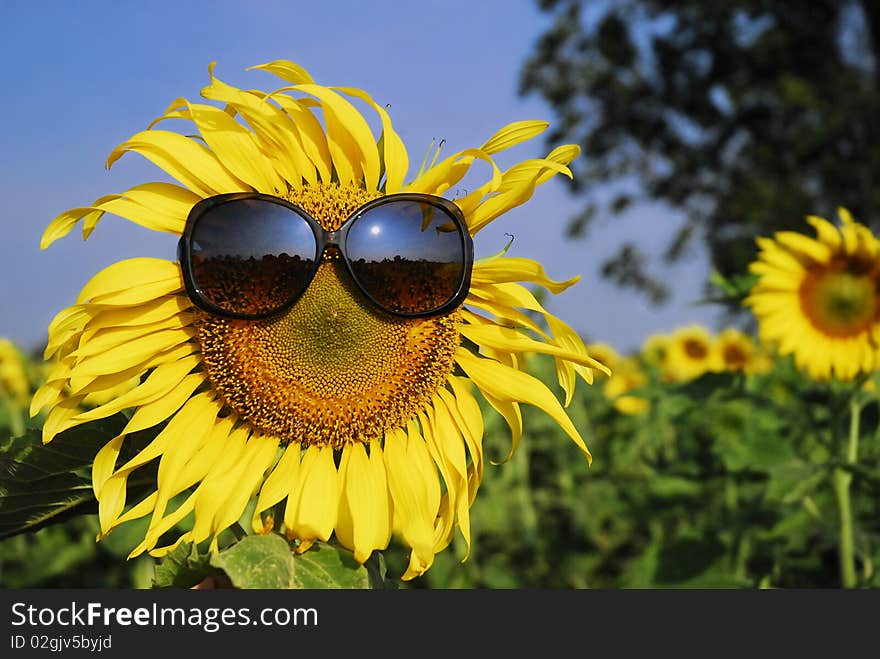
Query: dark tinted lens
{"type": "Point", "coordinates": [251, 256]}
{"type": "Point", "coordinates": [407, 255]}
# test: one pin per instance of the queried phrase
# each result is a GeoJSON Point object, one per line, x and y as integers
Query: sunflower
{"type": "Point", "coordinates": [604, 353]}
{"type": "Point", "coordinates": [690, 352]}
{"type": "Point", "coordinates": [653, 350]}
{"type": "Point", "coordinates": [626, 376]}
{"type": "Point", "coordinates": [817, 298]}
{"type": "Point", "coordinates": [336, 418]}
{"type": "Point", "coordinates": [14, 381]}
{"type": "Point", "coordinates": [736, 350]}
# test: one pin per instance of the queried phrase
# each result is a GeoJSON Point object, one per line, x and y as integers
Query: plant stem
{"type": "Point", "coordinates": [237, 531]}
{"type": "Point", "coordinates": [841, 481]}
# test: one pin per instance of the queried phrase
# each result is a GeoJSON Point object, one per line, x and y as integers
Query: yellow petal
{"type": "Point", "coordinates": [507, 269]}
{"type": "Point", "coordinates": [395, 160]}
{"type": "Point", "coordinates": [364, 520]}
{"type": "Point", "coordinates": [825, 231]}
{"type": "Point", "coordinates": [206, 456]}
{"type": "Point", "coordinates": [517, 187]}
{"type": "Point", "coordinates": [163, 525]}
{"type": "Point", "coordinates": [509, 384]}
{"type": "Point", "coordinates": [273, 129]}
{"type": "Point", "coordinates": [468, 418]}
{"type": "Point", "coordinates": [310, 133]}
{"type": "Point", "coordinates": [278, 484]}
{"type": "Point", "coordinates": [127, 356]}
{"type": "Point", "coordinates": [65, 325]}
{"type": "Point", "coordinates": [104, 338]}
{"type": "Point", "coordinates": [258, 456]}
{"type": "Point", "coordinates": [214, 487]}
{"type": "Point", "coordinates": [349, 138]}
{"type": "Point", "coordinates": [802, 244]}
{"type": "Point", "coordinates": [60, 418]}
{"type": "Point", "coordinates": [512, 415]}
{"type": "Point", "coordinates": [186, 160]}
{"type": "Point", "coordinates": [159, 383]}
{"type": "Point", "coordinates": [149, 414]}
{"type": "Point", "coordinates": [141, 509]}
{"type": "Point", "coordinates": [512, 340]}
{"type": "Point", "coordinates": [233, 145]}
{"type": "Point", "coordinates": [503, 312]}
{"type": "Point", "coordinates": [415, 491]}
{"type": "Point", "coordinates": [132, 281]}
{"type": "Point", "coordinates": [160, 309]}
{"type": "Point", "coordinates": [176, 454]}
{"type": "Point", "coordinates": [285, 70]}
{"type": "Point", "coordinates": [451, 446]}
{"type": "Point", "coordinates": [158, 206]}
{"type": "Point", "coordinates": [513, 134]}
{"type": "Point", "coordinates": [314, 500]}
{"type": "Point", "coordinates": [450, 171]}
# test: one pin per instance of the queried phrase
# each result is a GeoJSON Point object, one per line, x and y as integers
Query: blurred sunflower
{"type": "Point", "coordinates": [817, 298]}
{"type": "Point", "coordinates": [14, 382]}
{"type": "Point", "coordinates": [654, 348]}
{"type": "Point", "coordinates": [626, 376]}
{"type": "Point", "coordinates": [604, 353]}
{"type": "Point", "coordinates": [735, 349]}
{"type": "Point", "coordinates": [690, 352]}
{"type": "Point", "coordinates": [337, 416]}
{"type": "Point", "coordinates": [15, 387]}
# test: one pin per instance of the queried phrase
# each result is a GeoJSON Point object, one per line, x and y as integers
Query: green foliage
{"type": "Point", "coordinates": [43, 484]}
{"type": "Point", "coordinates": [743, 116]}
{"type": "Point", "coordinates": [39, 483]}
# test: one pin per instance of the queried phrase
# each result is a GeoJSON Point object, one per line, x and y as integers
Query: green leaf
{"type": "Point", "coordinates": [705, 386]}
{"type": "Point", "coordinates": [26, 459]}
{"type": "Point", "coordinates": [183, 567]}
{"type": "Point", "coordinates": [42, 484]}
{"type": "Point", "coordinates": [686, 560]}
{"type": "Point", "coordinates": [791, 481]}
{"type": "Point", "coordinates": [268, 561]}
{"type": "Point", "coordinates": [667, 486]}
{"type": "Point", "coordinates": [258, 561]}
{"type": "Point", "coordinates": [753, 448]}
{"type": "Point", "coordinates": [325, 566]}
{"type": "Point", "coordinates": [733, 289]}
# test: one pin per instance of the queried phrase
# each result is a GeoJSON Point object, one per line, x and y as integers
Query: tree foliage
{"type": "Point", "coordinates": [744, 115]}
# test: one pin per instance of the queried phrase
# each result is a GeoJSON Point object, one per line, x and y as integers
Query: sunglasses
{"type": "Point", "coordinates": [251, 255]}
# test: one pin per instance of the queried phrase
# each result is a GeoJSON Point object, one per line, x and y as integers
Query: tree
{"type": "Point", "coordinates": [745, 115]}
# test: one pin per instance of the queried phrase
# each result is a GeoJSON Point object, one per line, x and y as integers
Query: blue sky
{"type": "Point", "coordinates": [81, 77]}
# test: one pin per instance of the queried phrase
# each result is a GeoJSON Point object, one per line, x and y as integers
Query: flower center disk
{"type": "Point", "coordinates": [333, 368]}
{"type": "Point", "coordinates": [840, 302]}
{"type": "Point", "coordinates": [695, 349]}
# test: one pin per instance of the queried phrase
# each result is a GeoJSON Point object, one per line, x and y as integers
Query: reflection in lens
{"type": "Point", "coordinates": [405, 256]}
{"type": "Point", "coordinates": [252, 256]}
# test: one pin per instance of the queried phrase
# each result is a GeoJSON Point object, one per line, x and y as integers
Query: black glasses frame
{"type": "Point", "coordinates": [323, 240]}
